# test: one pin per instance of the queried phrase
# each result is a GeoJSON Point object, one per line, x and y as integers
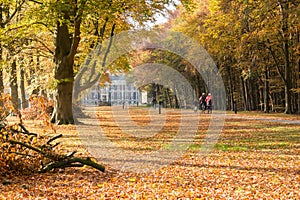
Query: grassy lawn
{"type": "Point", "coordinates": [252, 159]}
{"type": "Point", "coordinates": [267, 115]}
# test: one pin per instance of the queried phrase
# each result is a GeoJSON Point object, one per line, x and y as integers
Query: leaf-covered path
{"type": "Point", "coordinates": [253, 159]}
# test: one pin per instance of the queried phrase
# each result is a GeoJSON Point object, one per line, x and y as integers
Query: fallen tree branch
{"type": "Point", "coordinates": [74, 161]}
{"type": "Point", "coordinates": [54, 138]}
{"type": "Point", "coordinates": [24, 151]}
{"type": "Point", "coordinates": [27, 146]}
{"type": "Point", "coordinates": [60, 161]}
{"type": "Point", "coordinates": [24, 132]}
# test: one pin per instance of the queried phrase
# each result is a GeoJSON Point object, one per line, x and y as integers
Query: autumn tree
{"type": "Point", "coordinates": [253, 44]}
{"type": "Point", "coordinates": [8, 13]}
{"type": "Point", "coordinates": [68, 18]}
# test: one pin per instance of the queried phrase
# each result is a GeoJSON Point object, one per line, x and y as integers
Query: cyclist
{"type": "Point", "coordinates": [202, 102]}
{"type": "Point", "coordinates": [209, 102]}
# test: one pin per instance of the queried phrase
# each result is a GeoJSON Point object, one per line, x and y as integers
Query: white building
{"type": "Point", "coordinates": [114, 93]}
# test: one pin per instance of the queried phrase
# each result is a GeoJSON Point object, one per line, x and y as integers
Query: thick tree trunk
{"type": "Point", "coordinates": [66, 45]}
{"type": "Point", "coordinates": [62, 113]}
{"type": "Point", "coordinates": [64, 75]}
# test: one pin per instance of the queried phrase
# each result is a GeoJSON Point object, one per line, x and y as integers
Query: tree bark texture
{"type": "Point", "coordinates": [65, 49]}
{"type": "Point", "coordinates": [64, 76]}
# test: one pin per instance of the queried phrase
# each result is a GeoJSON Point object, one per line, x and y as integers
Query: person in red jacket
{"type": "Point", "coordinates": [209, 102]}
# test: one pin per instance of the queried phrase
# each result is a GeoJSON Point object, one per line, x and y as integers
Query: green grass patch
{"type": "Point", "coordinates": [229, 147]}
{"type": "Point", "coordinates": [220, 146]}
{"type": "Point", "coordinates": [273, 145]}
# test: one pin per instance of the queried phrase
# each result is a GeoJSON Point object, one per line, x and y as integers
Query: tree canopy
{"type": "Point", "coordinates": [57, 35]}
{"type": "Point", "coordinates": [255, 45]}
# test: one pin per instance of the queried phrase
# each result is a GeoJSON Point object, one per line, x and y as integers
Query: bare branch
{"type": "Point", "coordinates": [77, 23]}
{"type": "Point", "coordinates": [14, 12]}
{"type": "Point", "coordinates": [38, 2]}
{"type": "Point", "coordinates": [54, 138]}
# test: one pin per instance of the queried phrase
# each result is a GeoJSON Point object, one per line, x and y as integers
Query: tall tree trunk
{"type": "Point", "coordinates": [66, 45]}
{"type": "Point", "coordinates": [252, 94]}
{"type": "Point", "coordinates": [168, 99]}
{"type": "Point", "coordinates": [1, 80]}
{"type": "Point", "coordinates": [1, 51]}
{"type": "Point", "coordinates": [30, 75]}
{"type": "Point", "coordinates": [248, 95]}
{"type": "Point", "coordinates": [1, 83]}
{"type": "Point", "coordinates": [13, 83]}
{"type": "Point", "coordinates": [1, 74]}
{"type": "Point", "coordinates": [63, 74]}
{"type": "Point", "coordinates": [246, 89]}
{"type": "Point", "coordinates": [284, 9]}
{"type": "Point", "coordinates": [231, 87]}
{"type": "Point", "coordinates": [24, 103]}
{"type": "Point", "coordinates": [266, 91]}
{"type": "Point", "coordinates": [298, 85]}
{"type": "Point", "coordinates": [243, 93]}
{"type": "Point", "coordinates": [177, 103]}
{"type": "Point", "coordinates": [261, 99]}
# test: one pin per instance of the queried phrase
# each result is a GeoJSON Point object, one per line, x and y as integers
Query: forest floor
{"type": "Point", "coordinates": [255, 156]}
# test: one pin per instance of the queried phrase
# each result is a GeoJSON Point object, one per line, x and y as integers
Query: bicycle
{"type": "Point", "coordinates": [202, 107]}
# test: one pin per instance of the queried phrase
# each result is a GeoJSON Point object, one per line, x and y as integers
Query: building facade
{"type": "Point", "coordinates": [116, 92]}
